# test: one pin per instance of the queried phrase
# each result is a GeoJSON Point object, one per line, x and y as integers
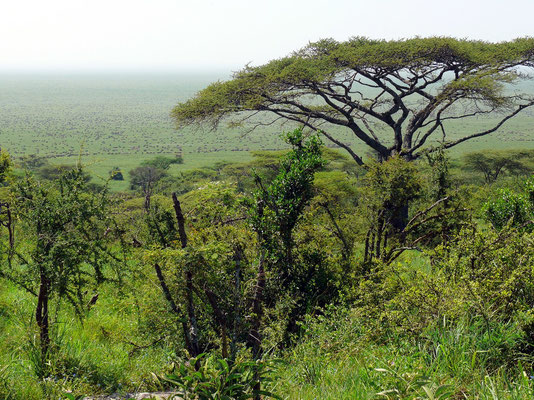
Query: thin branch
{"type": "Point", "coordinates": [487, 132]}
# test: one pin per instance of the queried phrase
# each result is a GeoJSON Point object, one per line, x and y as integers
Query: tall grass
{"type": "Point", "coordinates": [451, 360]}
{"type": "Point", "coordinates": [90, 357]}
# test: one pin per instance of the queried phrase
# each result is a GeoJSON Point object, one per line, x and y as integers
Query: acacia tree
{"type": "Point", "coordinates": [64, 230]}
{"type": "Point", "coordinates": [409, 88]}
{"type": "Point", "coordinates": [493, 164]}
{"type": "Point", "coordinates": [144, 178]}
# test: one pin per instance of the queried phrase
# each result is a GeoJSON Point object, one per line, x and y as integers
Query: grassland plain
{"type": "Point", "coordinates": [121, 120]}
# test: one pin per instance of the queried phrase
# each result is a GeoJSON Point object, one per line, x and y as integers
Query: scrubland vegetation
{"type": "Point", "coordinates": [297, 271]}
{"type": "Point", "coordinates": [282, 260]}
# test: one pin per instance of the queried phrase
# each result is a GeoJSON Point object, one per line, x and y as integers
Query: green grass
{"type": "Point", "coordinates": [122, 121]}
{"type": "Point", "coordinates": [115, 120]}
{"type": "Point", "coordinates": [336, 360]}
{"type": "Point", "coordinates": [99, 166]}
{"type": "Point", "coordinates": [91, 357]}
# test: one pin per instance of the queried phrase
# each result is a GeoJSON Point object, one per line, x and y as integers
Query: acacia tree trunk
{"type": "Point", "coordinates": [41, 315]}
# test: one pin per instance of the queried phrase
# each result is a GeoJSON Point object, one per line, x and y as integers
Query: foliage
{"type": "Point", "coordinates": [440, 181]}
{"type": "Point", "coordinates": [274, 214]}
{"type": "Point", "coordinates": [409, 88]}
{"type": "Point", "coordinates": [186, 181]}
{"type": "Point", "coordinates": [216, 378]}
{"type": "Point", "coordinates": [218, 273]}
{"type": "Point", "coordinates": [492, 270]}
{"type": "Point", "coordinates": [475, 276]}
{"type": "Point", "coordinates": [279, 206]}
{"type": "Point", "coordinates": [509, 208]}
{"type": "Point", "coordinates": [116, 174]}
{"type": "Point", "coordinates": [62, 246]}
{"type": "Point", "coordinates": [63, 229]}
{"type": "Point", "coordinates": [389, 186]}
{"type": "Point", "coordinates": [493, 164]}
{"type": "Point", "coordinates": [219, 247]}
{"type": "Point", "coordinates": [5, 165]}
{"type": "Point", "coordinates": [387, 191]}
{"type": "Point", "coordinates": [145, 178]}
{"type": "Point", "coordinates": [162, 162]}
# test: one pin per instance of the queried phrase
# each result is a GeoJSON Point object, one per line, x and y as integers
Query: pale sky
{"type": "Point", "coordinates": [175, 35]}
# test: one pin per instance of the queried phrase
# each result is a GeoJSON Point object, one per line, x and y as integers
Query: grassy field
{"type": "Point", "coordinates": [112, 121]}
{"type": "Point", "coordinates": [121, 120]}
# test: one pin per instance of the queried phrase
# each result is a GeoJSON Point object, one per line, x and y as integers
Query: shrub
{"type": "Point", "coordinates": [207, 377]}
{"type": "Point", "coordinates": [507, 208]}
{"type": "Point", "coordinates": [54, 172]}
{"type": "Point", "coordinates": [116, 174]}
{"type": "Point", "coordinates": [480, 274]}
{"type": "Point", "coordinates": [162, 162]}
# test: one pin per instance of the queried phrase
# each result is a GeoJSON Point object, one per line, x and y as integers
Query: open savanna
{"type": "Point", "coordinates": [113, 120]}
{"type": "Point", "coordinates": [449, 318]}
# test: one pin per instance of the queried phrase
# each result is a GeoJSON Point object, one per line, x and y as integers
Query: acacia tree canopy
{"type": "Point", "coordinates": [494, 163]}
{"type": "Point", "coordinates": [409, 88]}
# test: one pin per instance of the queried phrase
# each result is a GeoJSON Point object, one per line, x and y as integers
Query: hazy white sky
{"type": "Point", "coordinates": [226, 34]}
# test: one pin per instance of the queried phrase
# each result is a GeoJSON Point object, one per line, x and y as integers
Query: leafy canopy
{"type": "Point", "coordinates": [493, 164]}
{"type": "Point", "coordinates": [409, 88]}
{"type": "Point", "coordinates": [62, 236]}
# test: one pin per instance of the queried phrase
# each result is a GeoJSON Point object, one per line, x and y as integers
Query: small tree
{"type": "Point", "coordinates": [62, 243]}
{"type": "Point", "coordinates": [52, 172]}
{"type": "Point", "coordinates": [144, 178]}
{"type": "Point", "coordinates": [279, 206]}
{"type": "Point", "coordinates": [5, 165]}
{"type": "Point", "coordinates": [492, 164]}
{"type": "Point", "coordinates": [32, 162]}
{"type": "Point", "coordinates": [163, 162]}
{"type": "Point", "coordinates": [201, 279]}
{"type": "Point", "coordinates": [274, 214]}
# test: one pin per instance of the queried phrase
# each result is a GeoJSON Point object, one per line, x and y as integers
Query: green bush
{"type": "Point", "coordinates": [116, 174]}
{"type": "Point", "coordinates": [162, 162]}
{"type": "Point", "coordinates": [507, 208]}
{"type": "Point", "coordinates": [207, 377]}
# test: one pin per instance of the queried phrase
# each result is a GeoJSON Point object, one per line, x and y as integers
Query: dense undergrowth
{"type": "Point", "coordinates": [286, 276]}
